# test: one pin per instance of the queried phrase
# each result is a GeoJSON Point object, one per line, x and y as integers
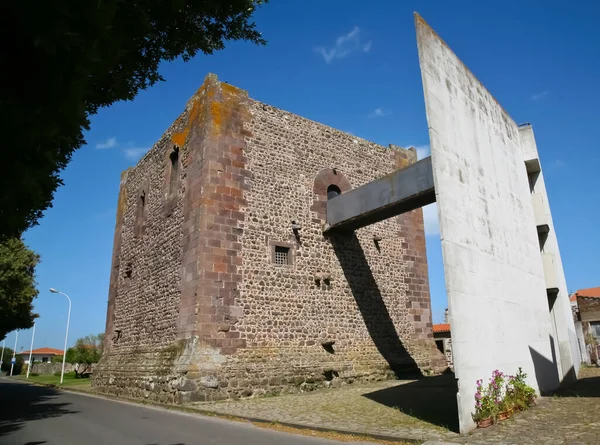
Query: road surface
{"type": "Point", "coordinates": [34, 415]}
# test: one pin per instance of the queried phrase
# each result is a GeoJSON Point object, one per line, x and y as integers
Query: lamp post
{"type": "Point", "coordinates": [31, 351]}
{"type": "Point", "coordinates": [2, 358]}
{"type": "Point", "coordinates": [62, 373]}
{"type": "Point", "coordinates": [12, 362]}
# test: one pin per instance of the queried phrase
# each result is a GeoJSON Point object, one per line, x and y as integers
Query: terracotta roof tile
{"type": "Point", "coordinates": [591, 292]}
{"type": "Point", "coordinates": [442, 327]}
{"type": "Point", "coordinates": [49, 351]}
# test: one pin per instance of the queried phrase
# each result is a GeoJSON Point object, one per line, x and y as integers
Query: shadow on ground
{"type": "Point", "coordinates": [431, 399]}
{"type": "Point", "coordinates": [24, 403]}
{"type": "Point", "coordinates": [584, 387]}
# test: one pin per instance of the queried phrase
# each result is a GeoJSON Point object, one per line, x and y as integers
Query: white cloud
{"type": "Point", "coordinates": [109, 143]}
{"type": "Point", "coordinates": [539, 96]}
{"type": "Point", "coordinates": [430, 217]}
{"type": "Point", "coordinates": [379, 112]}
{"type": "Point", "coordinates": [134, 153]}
{"type": "Point", "coordinates": [129, 150]}
{"type": "Point", "coordinates": [345, 45]}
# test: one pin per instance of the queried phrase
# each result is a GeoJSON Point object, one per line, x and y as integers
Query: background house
{"type": "Point", "coordinates": [443, 339]}
{"type": "Point", "coordinates": [40, 355]}
{"type": "Point", "coordinates": [585, 304]}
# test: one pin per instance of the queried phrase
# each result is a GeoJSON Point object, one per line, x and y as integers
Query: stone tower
{"type": "Point", "coordinates": [223, 283]}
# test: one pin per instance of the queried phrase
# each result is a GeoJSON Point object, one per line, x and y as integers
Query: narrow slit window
{"type": "Point", "coordinates": [141, 214]}
{"type": "Point", "coordinates": [174, 179]}
{"type": "Point", "coordinates": [282, 256]}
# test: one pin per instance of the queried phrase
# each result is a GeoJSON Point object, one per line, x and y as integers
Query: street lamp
{"type": "Point", "coordinates": [62, 374]}
{"type": "Point", "coordinates": [2, 358]}
{"type": "Point", "coordinates": [12, 362]}
{"type": "Point", "coordinates": [31, 351]}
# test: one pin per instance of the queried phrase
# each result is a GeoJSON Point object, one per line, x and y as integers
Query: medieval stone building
{"type": "Point", "coordinates": [224, 283]}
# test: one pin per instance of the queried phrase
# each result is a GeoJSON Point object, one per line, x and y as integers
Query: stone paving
{"type": "Point", "coordinates": [571, 417]}
{"type": "Point", "coordinates": [370, 408]}
{"type": "Point", "coordinates": [425, 409]}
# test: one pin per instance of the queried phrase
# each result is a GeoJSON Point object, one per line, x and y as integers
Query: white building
{"type": "Point", "coordinates": [40, 355]}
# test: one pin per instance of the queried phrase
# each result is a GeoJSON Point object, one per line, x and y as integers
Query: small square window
{"type": "Point", "coordinates": [282, 256]}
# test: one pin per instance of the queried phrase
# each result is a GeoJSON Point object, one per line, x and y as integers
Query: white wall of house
{"type": "Point", "coordinates": [37, 358]}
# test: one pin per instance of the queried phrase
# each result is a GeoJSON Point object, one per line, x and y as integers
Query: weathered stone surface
{"type": "Point", "coordinates": [209, 382]}
{"type": "Point", "coordinates": [195, 287]}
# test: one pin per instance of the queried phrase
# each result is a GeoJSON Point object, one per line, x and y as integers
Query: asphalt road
{"type": "Point", "coordinates": [33, 415]}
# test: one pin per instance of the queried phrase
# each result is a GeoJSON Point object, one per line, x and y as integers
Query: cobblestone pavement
{"type": "Point", "coordinates": [571, 417]}
{"type": "Point", "coordinates": [421, 410]}
{"type": "Point", "coordinates": [369, 408]}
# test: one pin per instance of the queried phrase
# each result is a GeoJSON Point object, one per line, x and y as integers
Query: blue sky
{"type": "Point", "coordinates": [353, 66]}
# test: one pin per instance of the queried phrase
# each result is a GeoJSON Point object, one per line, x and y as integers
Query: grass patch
{"type": "Point", "coordinates": [69, 379]}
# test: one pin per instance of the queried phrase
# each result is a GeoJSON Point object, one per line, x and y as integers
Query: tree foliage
{"type": "Point", "coordinates": [71, 58]}
{"type": "Point", "coordinates": [86, 352]}
{"type": "Point", "coordinates": [17, 286]}
{"type": "Point", "coordinates": [7, 357]}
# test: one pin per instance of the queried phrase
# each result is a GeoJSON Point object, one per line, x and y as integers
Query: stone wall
{"type": "Point", "coordinates": [199, 310]}
{"type": "Point", "coordinates": [589, 308]}
{"type": "Point", "coordinates": [50, 368]}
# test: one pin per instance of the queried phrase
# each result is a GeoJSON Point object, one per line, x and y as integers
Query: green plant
{"type": "Point", "coordinates": [523, 393]}
{"type": "Point", "coordinates": [77, 57]}
{"type": "Point", "coordinates": [503, 394]}
{"type": "Point", "coordinates": [6, 362]}
{"type": "Point", "coordinates": [486, 406]}
{"type": "Point", "coordinates": [85, 353]}
{"type": "Point", "coordinates": [17, 285]}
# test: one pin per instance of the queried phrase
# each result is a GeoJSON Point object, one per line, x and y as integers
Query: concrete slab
{"type": "Point", "coordinates": [399, 192]}
{"type": "Point", "coordinates": [499, 313]}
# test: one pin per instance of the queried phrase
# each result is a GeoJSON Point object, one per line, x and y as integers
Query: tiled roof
{"type": "Point", "coordinates": [442, 327]}
{"type": "Point", "coordinates": [592, 292]}
{"type": "Point", "coordinates": [48, 351]}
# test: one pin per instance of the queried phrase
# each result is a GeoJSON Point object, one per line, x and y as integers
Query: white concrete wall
{"type": "Point", "coordinates": [499, 313]}
{"type": "Point", "coordinates": [565, 336]}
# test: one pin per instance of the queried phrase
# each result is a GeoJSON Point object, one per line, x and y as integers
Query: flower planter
{"type": "Point", "coordinates": [503, 415]}
{"type": "Point", "coordinates": [484, 423]}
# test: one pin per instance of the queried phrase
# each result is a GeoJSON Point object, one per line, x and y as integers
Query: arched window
{"type": "Point", "coordinates": [333, 191]}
